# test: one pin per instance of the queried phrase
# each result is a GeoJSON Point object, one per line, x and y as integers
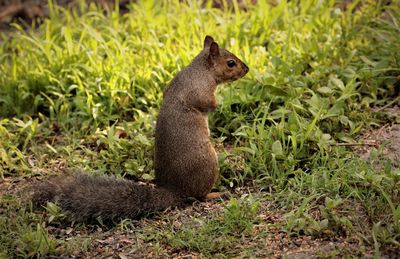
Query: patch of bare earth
{"type": "Point", "coordinates": [384, 141]}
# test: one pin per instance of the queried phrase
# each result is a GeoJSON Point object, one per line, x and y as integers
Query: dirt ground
{"type": "Point", "coordinates": [26, 12]}
{"type": "Point", "coordinates": [386, 141]}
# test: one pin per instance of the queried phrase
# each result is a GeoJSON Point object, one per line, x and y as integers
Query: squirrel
{"type": "Point", "coordinates": [186, 164]}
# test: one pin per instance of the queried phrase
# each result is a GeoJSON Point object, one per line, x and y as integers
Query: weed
{"type": "Point", "coordinates": [218, 234]}
{"type": "Point", "coordinates": [21, 231]}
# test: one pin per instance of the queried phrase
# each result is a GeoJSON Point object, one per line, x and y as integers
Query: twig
{"type": "Point", "coordinates": [388, 105]}
{"type": "Point", "coordinates": [354, 144]}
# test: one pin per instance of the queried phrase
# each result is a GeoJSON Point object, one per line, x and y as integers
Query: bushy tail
{"type": "Point", "coordinates": [86, 198]}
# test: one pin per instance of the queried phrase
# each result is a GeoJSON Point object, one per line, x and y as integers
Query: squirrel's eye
{"type": "Point", "coordinates": [231, 63]}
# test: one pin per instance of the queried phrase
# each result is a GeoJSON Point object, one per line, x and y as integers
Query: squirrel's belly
{"type": "Point", "coordinates": [192, 168]}
{"type": "Point", "coordinates": [184, 156]}
{"type": "Point", "coordinates": [203, 173]}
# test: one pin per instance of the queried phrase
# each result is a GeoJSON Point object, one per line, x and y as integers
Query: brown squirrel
{"type": "Point", "coordinates": [186, 163]}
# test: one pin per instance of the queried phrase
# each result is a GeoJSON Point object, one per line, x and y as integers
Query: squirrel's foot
{"type": "Point", "coordinates": [212, 196]}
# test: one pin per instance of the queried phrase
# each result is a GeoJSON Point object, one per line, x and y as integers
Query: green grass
{"type": "Point", "coordinates": [215, 235]}
{"type": "Point", "coordinates": [83, 91]}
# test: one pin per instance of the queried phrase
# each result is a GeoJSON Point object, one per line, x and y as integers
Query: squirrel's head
{"type": "Point", "coordinates": [225, 66]}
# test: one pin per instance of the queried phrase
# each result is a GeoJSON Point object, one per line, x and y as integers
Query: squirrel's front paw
{"type": "Point", "coordinates": [212, 196]}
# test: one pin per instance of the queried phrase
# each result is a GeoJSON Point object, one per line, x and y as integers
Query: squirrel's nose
{"type": "Point", "coordinates": [245, 67]}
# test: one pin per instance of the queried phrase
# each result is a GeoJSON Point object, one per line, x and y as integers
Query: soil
{"type": "Point", "coordinates": [383, 142]}
{"type": "Point", "coordinates": [26, 12]}
{"type": "Point", "coordinates": [387, 141]}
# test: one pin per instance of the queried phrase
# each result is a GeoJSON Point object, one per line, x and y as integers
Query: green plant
{"type": "Point", "coordinates": [21, 232]}
{"type": "Point", "coordinates": [218, 234]}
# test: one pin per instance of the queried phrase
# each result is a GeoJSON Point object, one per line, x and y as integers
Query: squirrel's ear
{"type": "Point", "coordinates": [214, 50]}
{"type": "Point", "coordinates": [207, 41]}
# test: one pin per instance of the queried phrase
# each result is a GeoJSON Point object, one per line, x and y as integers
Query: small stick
{"type": "Point", "coordinates": [354, 144]}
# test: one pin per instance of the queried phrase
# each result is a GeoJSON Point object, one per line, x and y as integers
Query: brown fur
{"type": "Point", "coordinates": [186, 163]}
{"type": "Point", "coordinates": [87, 197]}
{"type": "Point", "coordinates": [184, 156]}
